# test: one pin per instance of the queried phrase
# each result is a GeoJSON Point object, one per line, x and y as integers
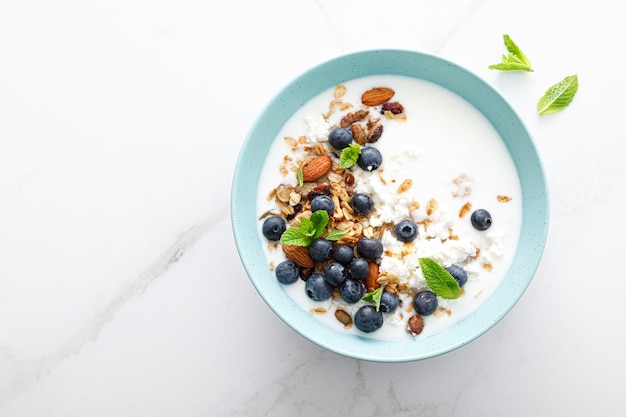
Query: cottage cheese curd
{"type": "Point", "coordinates": [452, 157]}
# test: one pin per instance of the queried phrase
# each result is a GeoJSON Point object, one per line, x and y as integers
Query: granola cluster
{"type": "Point", "coordinates": [294, 201]}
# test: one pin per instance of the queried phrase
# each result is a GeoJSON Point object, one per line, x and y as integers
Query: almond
{"type": "Point", "coordinates": [377, 96]}
{"type": "Point", "coordinates": [344, 317]}
{"type": "Point", "coordinates": [300, 255]}
{"type": "Point", "coordinates": [371, 282]}
{"type": "Point", "coordinates": [317, 168]}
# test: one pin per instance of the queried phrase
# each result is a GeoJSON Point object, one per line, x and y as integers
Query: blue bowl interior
{"type": "Point", "coordinates": [454, 78]}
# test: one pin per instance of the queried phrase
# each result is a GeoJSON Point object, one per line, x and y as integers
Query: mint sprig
{"type": "Point", "coordinates": [349, 156]}
{"type": "Point", "coordinates": [515, 61]}
{"type": "Point", "coordinates": [559, 96]}
{"type": "Point", "coordinates": [309, 230]}
{"type": "Point", "coordinates": [374, 296]}
{"type": "Point", "coordinates": [439, 280]}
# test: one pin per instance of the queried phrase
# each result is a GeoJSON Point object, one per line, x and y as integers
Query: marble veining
{"type": "Point", "coordinates": [24, 373]}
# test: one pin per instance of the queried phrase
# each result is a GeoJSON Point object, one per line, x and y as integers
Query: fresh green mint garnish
{"type": "Point", "coordinates": [515, 61]}
{"type": "Point", "coordinates": [375, 296]}
{"type": "Point", "coordinates": [336, 234]}
{"type": "Point", "coordinates": [439, 280]}
{"type": "Point", "coordinates": [349, 156]}
{"type": "Point", "coordinates": [559, 96]}
{"type": "Point", "coordinates": [300, 176]}
{"type": "Point", "coordinates": [309, 230]}
{"type": "Point", "coordinates": [318, 221]}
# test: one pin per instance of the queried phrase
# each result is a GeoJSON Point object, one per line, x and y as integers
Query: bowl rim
{"type": "Point", "coordinates": [464, 83]}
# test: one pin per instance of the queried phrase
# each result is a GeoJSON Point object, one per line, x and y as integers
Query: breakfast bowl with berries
{"type": "Point", "coordinates": [389, 205]}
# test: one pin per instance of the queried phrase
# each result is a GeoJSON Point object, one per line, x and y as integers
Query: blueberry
{"type": "Point", "coordinates": [321, 249]}
{"type": "Point", "coordinates": [406, 231]}
{"type": "Point", "coordinates": [370, 158]}
{"type": "Point", "coordinates": [458, 273]}
{"type": "Point", "coordinates": [351, 291]}
{"type": "Point", "coordinates": [362, 204]}
{"type": "Point", "coordinates": [287, 272]}
{"type": "Point", "coordinates": [335, 273]}
{"type": "Point", "coordinates": [317, 288]}
{"type": "Point", "coordinates": [367, 319]}
{"type": "Point", "coordinates": [343, 254]}
{"type": "Point", "coordinates": [323, 202]}
{"type": "Point", "coordinates": [340, 138]}
{"type": "Point", "coordinates": [481, 219]}
{"type": "Point", "coordinates": [359, 269]}
{"type": "Point", "coordinates": [273, 227]}
{"type": "Point", "coordinates": [388, 302]}
{"type": "Point", "coordinates": [371, 248]}
{"type": "Point", "coordinates": [425, 303]}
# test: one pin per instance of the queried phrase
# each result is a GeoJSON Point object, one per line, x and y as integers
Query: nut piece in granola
{"type": "Point", "coordinates": [394, 108]}
{"type": "Point", "coordinates": [353, 117]}
{"type": "Point", "coordinates": [415, 325]}
{"type": "Point", "coordinates": [358, 133]}
{"type": "Point", "coordinates": [375, 131]}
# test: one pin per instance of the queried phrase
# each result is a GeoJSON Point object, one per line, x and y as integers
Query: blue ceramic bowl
{"type": "Point", "coordinates": [452, 77]}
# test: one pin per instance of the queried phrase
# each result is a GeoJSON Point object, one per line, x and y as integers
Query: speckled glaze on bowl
{"type": "Point", "coordinates": [485, 99]}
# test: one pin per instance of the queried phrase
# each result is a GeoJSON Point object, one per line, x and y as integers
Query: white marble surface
{"type": "Point", "coordinates": [121, 291]}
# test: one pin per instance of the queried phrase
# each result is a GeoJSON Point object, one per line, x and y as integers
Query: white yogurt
{"type": "Point", "coordinates": [453, 155]}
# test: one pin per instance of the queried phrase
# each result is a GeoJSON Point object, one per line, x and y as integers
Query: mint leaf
{"type": "Point", "coordinates": [319, 220]}
{"type": "Point", "coordinates": [349, 156]}
{"type": "Point", "coordinates": [300, 177]}
{"type": "Point", "coordinates": [559, 96]}
{"type": "Point", "coordinates": [515, 61]}
{"type": "Point", "coordinates": [515, 51]}
{"type": "Point", "coordinates": [294, 236]}
{"type": "Point", "coordinates": [375, 296]}
{"type": "Point", "coordinates": [336, 234]}
{"type": "Point", "coordinates": [308, 227]}
{"type": "Point", "coordinates": [309, 230]}
{"type": "Point", "coordinates": [439, 280]}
